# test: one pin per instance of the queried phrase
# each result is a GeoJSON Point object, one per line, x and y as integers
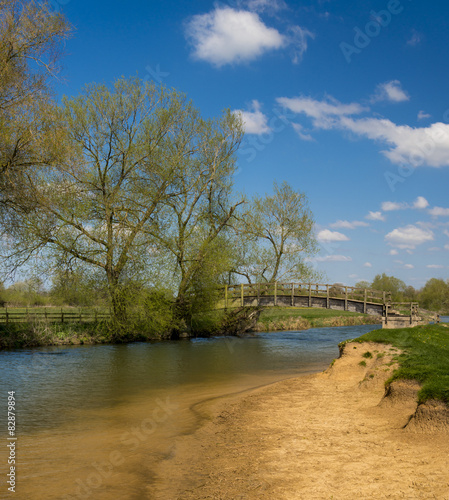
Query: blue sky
{"type": "Point", "coordinates": [345, 100]}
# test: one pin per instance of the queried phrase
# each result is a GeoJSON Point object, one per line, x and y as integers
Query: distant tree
{"type": "Point", "coordinates": [363, 284]}
{"type": "Point", "coordinates": [276, 236]}
{"type": "Point", "coordinates": [435, 295]}
{"type": "Point", "coordinates": [389, 284]}
{"type": "Point", "coordinates": [410, 294]}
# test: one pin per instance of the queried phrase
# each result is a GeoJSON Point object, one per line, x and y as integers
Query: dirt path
{"type": "Point", "coordinates": [325, 436]}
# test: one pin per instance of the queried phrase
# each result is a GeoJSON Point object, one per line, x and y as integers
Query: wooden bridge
{"type": "Point", "coordinates": [338, 297]}
{"type": "Point", "coordinates": [342, 298]}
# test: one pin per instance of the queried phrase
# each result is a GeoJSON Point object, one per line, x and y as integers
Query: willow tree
{"type": "Point", "coordinates": [277, 237]}
{"type": "Point", "coordinates": [31, 37]}
{"type": "Point", "coordinates": [197, 220]}
{"type": "Point", "coordinates": [125, 155]}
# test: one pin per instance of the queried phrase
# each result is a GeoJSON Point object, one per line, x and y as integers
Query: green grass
{"type": "Point", "coordinates": [425, 357]}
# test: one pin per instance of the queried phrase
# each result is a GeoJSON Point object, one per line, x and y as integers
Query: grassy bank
{"type": "Point", "coordinates": [425, 357]}
{"type": "Point", "coordinates": [41, 333]}
{"type": "Point", "coordinates": [289, 318]}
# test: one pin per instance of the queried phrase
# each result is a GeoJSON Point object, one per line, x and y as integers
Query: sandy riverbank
{"type": "Point", "coordinates": [328, 435]}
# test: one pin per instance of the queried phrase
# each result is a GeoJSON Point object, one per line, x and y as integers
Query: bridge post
{"type": "Point", "coordinates": [293, 294]}
{"type": "Point", "coordinates": [226, 297]}
{"type": "Point", "coordinates": [346, 298]}
{"type": "Point", "coordinates": [275, 293]}
{"type": "Point", "coordinates": [327, 296]}
{"type": "Point", "coordinates": [241, 294]}
{"type": "Point", "coordinates": [364, 301]}
{"type": "Point", "coordinates": [310, 295]}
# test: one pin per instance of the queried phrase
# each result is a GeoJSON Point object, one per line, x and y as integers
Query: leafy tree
{"type": "Point", "coordinates": [277, 233]}
{"type": "Point", "coordinates": [410, 294]}
{"type": "Point", "coordinates": [193, 225]}
{"type": "Point", "coordinates": [129, 158]}
{"type": "Point", "coordinates": [435, 295]}
{"type": "Point", "coordinates": [363, 284]}
{"type": "Point", "coordinates": [30, 41]}
{"type": "Point", "coordinates": [389, 284]}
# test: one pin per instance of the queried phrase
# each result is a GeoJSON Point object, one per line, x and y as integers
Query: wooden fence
{"type": "Point", "coordinates": [52, 315]}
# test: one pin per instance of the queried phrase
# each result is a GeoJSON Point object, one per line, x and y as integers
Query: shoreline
{"type": "Point", "coordinates": [335, 434]}
{"type": "Point", "coordinates": [44, 336]}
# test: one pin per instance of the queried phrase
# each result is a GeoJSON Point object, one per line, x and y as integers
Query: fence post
{"type": "Point", "coordinates": [6, 311]}
{"type": "Point", "coordinates": [81, 314]}
{"type": "Point", "coordinates": [62, 316]}
{"type": "Point", "coordinates": [96, 315]}
{"type": "Point", "coordinates": [310, 295]}
{"type": "Point", "coordinates": [346, 298]}
{"type": "Point", "coordinates": [226, 297]}
{"type": "Point", "coordinates": [293, 294]}
{"type": "Point", "coordinates": [327, 296]}
{"type": "Point", "coordinates": [275, 292]}
{"type": "Point", "coordinates": [241, 294]}
{"type": "Point", "coordinates": [364, 302]}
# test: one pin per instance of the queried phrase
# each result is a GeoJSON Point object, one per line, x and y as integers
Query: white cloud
{"type": "Point", "coordinates": [415, 39]}
{"type": "Point", "coordinates": [254, 122]}
{"type": "Point", "coordinates": [323, 113]}
{"type": "Point", "coordinates": [393, 252]}
{"type": "Point", "coordinates": [406, 145]}
{"type": "Point", "coordinates": [327, 236]}
{"type": "Point", "coordinates": [264, 5]}
{"type": "Point", "coordinates": [419, 203]}
{"type": "Point", "coordinates": [435, 266]}
{"type": "Point", "coordinates": [333, 258]}
{"type": "Point", "coordinates": [298, 40]}
{"type": "Point", "coordinates": [423, 116]}
{"type": "Point", "coordinates": [344, 224]}
{"type": "Point", "coordinates": [434, 249]}
{"type": "Point", "coordinates": [367, 264]}
{"type": "Point", "coordinates": [375, 216]}
{"type": "Point", "coordinates": [390, 91]}
{"type": "Point", "coordinates": [439, 211]}
{"type": "Point", "coordinates": [446, 232]}
{"type": "Point", "coordinates": [226, 36]}
{"type": "Point", "coordinates": [446, 247]}
{"type": "Point", "coordinates": [387, 206]}
{"type": "Point", "coordinates": [409, 237]}
{"type": "Point", "coordinates": [409, 266]}
{"type": "Point", "coordinates": [299, 130]}
{"type": "Point", "coordinates": [353, 276]}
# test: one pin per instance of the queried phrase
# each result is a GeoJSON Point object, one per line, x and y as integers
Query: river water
{"type": "Point", "coordinates": [95, 421]}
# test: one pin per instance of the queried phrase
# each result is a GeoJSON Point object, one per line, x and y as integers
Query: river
{"type": "Point", "coordinates": [94, 421]}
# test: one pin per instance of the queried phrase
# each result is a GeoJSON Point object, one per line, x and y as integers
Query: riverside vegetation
{"type": "Point", "coordinates": [424, 357]}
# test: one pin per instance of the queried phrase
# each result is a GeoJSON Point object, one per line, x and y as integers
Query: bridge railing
{"type": "Point", "coordinates": [236, 294]}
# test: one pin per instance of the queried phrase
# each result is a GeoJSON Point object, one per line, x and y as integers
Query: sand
{"type": "Point", "coordinates": [332, 435]}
